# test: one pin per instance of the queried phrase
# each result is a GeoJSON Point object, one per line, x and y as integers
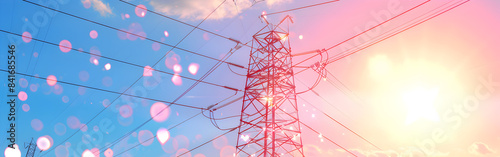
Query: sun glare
{"type": "Point", "coordinates": [380, 66]}
{"type": "Point", "coordinates": [420, 104]}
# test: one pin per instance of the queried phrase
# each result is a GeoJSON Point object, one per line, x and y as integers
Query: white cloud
{"type": "Point", "coordinates": [199, 9]}
{"type": "Point", "coordinates": [479, 148]}
{"type": "Point", "coordinates": [99, 6]}
{"type": "Point", "coordinates": [270, 3]}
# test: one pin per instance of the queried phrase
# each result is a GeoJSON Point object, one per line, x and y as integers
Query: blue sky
{"type": "Point", "coordinates": [453, 53]}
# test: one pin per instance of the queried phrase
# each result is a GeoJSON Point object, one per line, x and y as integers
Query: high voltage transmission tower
{"type": "Point", "coordinates": [269, 124]}
{"type": "Point", "coordinates": [31, 148]}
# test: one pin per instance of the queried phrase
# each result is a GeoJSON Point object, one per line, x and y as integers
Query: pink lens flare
{"type": "Point", "coordinates": [36, 124]}
{"type": "Point", "coordinates": [51, 80]}
{"type": "Point", "coordinates": [88, 153]}
{"type": "Point", "coordinates": [155, 46]}
{"type": "Point", "coordinates": [171, 59]}
{"type": "Point", "coordinates": [43, 143]}
{"type": "Point", "coordinates": [86, 4]}
{"type": "Point", "coordinates": [193, 68]}
{"type": "Point", "coordinates": [146, 137]}
{"type": "Point", "coordinates": [34, 87]}
{"type": "Point", "coordinates": [60, 129]}
{"type": "Point", "coordinates": [83, 127]}
{"type": "Point", "coordinates": [93, 34]}
{"type": "Point", "coordinates": [108, 153]}
{"type": "Point", "coordinates": [107, 66]}
{"type": "Point", "coordinates": [22, 96]}
{"type": "Point", "coordinates": [23, 82]}
{"type": "Point", "coordinates": [159, 112]}
{"type": "Point", "coordinates": [177, 68]}
{"type": "Point", "coordinates": [184, 152]}
{"type": "Point", "coordinates": [177, 80]}
{"type": "Point", "coordinates": [62, 151]}
{"type": "Point", "coordinates": [95, 151]}
{"type": "Point", "coordinates": [148, 71]}
{"type": "Point", "coordinates": [26, 107]}
{"type": "Point", "coordinates": [141, 10]}
{"type": "Point", "coordinates": [162, 135]}
{"type": "Point", "coordinates": [206, 36]}
{"type": "Point", "coordinates": [26, 37]}
{"type": "Point", "coordinates": [65, 46]}
{"type": "Point", "coordinates": [58, 89]}
{"type": "Point", "coordinates": [227, 151]}
{"type": "Point", "coordinates": [199, 155]}
{"type": "Point", "coordinates": [126, 111]}
{"type": "Point", "coordinates": [73, 122]}
{"type": "Point", "coordinates": [65, 99]}
{"type": "Point", "coordinates": [220, 142]}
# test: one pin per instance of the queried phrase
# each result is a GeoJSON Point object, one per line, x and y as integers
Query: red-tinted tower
{"type": "Point", "coordinates": [269, 124]}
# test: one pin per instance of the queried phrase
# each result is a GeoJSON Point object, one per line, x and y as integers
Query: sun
{"type": "Point", "coordinates": [380, 66]}
{"type": "Point", "coordinates": [420, 104]}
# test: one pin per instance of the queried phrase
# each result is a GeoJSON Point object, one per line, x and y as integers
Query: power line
{"type": "Point", "coordinates": [338, 57]}
{"type": "Point", "coordinates": [269, 88]}
{"type": "Point", "coordinates": [63, 82]}
{"type": "Point", "coordinates": [187, 24]}
{"type": "Point", "coordinates": [317, 94]}
{"type": "Point", "coordinates": [32, 50]}
{"type": "Point", "coordinates": [348, 93]}
{"type": "Point", "coordinates": [171, 128]}
{"type": "Point", "coordinates": [208, 141]}
{"type": "Point", "coordinates": [322, 135]}
{"type": "Point", "coordinates": [185, 92]}
{"type": "Point", "coordinates": [39, 55]}
{"type": "Point", "coordinates": [362, 49]}
{"type": "Point", "coordinates": [327, 138]}
{"type": "Point", "coordinates": [327, 71]}
{"type": "Point", "coordinates": [307, 127]}
{"type": "Point", "coordinates": [322, 98]}
{"type": "Point", "coordinates": [235, 129]}
{"type": "Point", "coordinates": [118, 154]}
{"type": "Point", "coordinates": [308, 6]}
{"type": "Point", "coordinates": [343, 124]}
{"type": "Point", "coordinates": [379, 24]}
{"type": "Point", "coordinates": [338, 122]}
{"type": "Point", "coordinates": [211, 116]}
{"type": "Point", "coordinates": [107, 26]}
{"type": "Point", "coordinates": [103, 90]}
{"type": "Point", "coordinates": [178, 98]}
{"type": "Point", "coordinates": [231, 130]}
{"type": "Point", "coordinates": [196, 83]}
{"type": "Point", "coordinates": [330, 62]}
{"type": "Point", "coordinates": [333, 119]}
{"type": "Point", "coordinates": [125, 62]}
{"type": "Point", "coordinates": [359, 34]}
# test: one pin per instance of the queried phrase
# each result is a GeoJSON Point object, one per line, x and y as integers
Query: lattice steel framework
{"type": "Point", "coordinates": [30, 149]}
{"type": "Point", "coordinates": [269, 124]}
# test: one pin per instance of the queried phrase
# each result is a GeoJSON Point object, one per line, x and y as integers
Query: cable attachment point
{"type": "Point", "coordinates": [211, 106]}
{"type": "Point", "coordinates": [320, 66]}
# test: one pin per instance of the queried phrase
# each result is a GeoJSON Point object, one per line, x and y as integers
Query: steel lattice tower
{"type": "Point", "coordinates": [269, 124]}
{"type": "Point", "coordinates": [31, 148]}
